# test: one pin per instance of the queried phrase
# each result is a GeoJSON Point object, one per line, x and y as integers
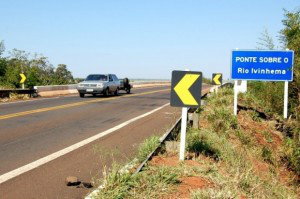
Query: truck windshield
{"type": "Point", "coordinates": [96, 78]}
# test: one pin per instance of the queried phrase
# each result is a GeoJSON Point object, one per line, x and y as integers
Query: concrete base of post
{"type": "Point", "coordinates": [195, 120]}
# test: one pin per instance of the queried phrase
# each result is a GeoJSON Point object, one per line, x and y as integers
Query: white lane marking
{"type": "Point", "coordinates": [16, 172]}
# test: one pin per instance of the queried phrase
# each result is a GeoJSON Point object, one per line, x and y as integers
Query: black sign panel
{"type": "Point", "coordinates": [217, 79]}
{"type": "Point", "coordinates": [186, 89]}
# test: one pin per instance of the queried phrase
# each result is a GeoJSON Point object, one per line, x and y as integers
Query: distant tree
{"type": "Point", "coordinates": [63, 75]}
{"type": "Point", "coordinates": [33, 77]}
{"type": "Point", "coordinates": [77, 80]}
{"type": "Point", "coordinates": [17, 63]}
{"type": "Point", "coordinates": [37, 68]}
{"type": "Point", "coordinates": [42, 70]}
{"type": "Point", "coordinates": [2, 47]}
{"type": "Point", "coordinates": [265, 42]}
{"type": "Point", "coordinates": [3, 66]}
{"type": "Point", "coordinates": [3, 63]}
{"type": "Point", "coordinates": [290, 37]}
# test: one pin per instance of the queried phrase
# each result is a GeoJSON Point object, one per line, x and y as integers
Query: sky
{"type": "Point", "coordinates": [139, 38]}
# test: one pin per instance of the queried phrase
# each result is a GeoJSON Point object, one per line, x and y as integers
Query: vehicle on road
{"type": "Point", "coordinates": [99, 84]}
{"type": "Point", "coordinates": [124, 85]}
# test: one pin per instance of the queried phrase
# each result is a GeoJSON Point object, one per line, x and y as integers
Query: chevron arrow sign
{"type": "Point", "coordinates": [186, 89]}
{"type": "Point", "coordinates": [217, 78]}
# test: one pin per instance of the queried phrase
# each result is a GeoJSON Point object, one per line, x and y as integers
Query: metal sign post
{"type": "Point", "coordinates": [236, 92]}
{"type": "Point", "coordinates": [285, 103]}
{"type": "Point", "coordinates": [186, 89]}
{"type": "Point", "coordinates": [183, 133]}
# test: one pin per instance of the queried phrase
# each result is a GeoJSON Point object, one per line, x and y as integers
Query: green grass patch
{"type": "Point", "coordinates": [149, 145]}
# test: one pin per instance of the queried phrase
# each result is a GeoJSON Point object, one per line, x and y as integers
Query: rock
{"type": "Point", "coordinates": [72, 181]}
{"type": "Point", "coordinates": [87, 185]}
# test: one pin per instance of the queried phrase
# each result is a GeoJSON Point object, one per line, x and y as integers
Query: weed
{"type": "Point", "coordinates": [147, 147]}
{"type": "Point", "coordinates": [254, 116]}
{"type": "Point", "coordinates": [153, 182]}
{"type": "Point", "coordinates": [267, 155]}
{"type": "Point", "coordinates": [268, 136]}
{"type": "Point", "coordinates": [244, 138]}
{"type": "Point", "coordinates": [222, 193]}
{"type": "Point", "coordinates": [105, 153]}
{"type": "Point", "coordinates": [198, 144]}
{"type": "Point", "coordinates": [222, 119]}
{"type": "Point", "coordinates": [291, 151]}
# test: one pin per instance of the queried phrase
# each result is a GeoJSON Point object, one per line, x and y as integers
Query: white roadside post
{"type": "Point", "coordinates": [183, 133]}
{"type": "Point", "coordinates": [286, 93]}
{"type": "Point", "coordinates": [235, 97]}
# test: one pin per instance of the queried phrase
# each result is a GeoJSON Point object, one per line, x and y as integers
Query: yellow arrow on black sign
{"type": "Point", "coordinates": [23, 78]}
{"type": "Point", "coordinates": [182, 89]}
{"type": "Point", "coordinates": [186, 88]}
{"type": "Point", "coordinates": [217, 78]}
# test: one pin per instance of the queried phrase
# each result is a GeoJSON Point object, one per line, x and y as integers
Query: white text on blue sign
{"type": "Point", "coordinates": [262, 65]}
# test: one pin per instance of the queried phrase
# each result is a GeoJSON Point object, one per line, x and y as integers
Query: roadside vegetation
{"type": "Point", "coordinates": [227, 157]}
{"type": "Point", "coordinates": [37, 68]}
{"type": "Point", "coordinates": [269, 95]}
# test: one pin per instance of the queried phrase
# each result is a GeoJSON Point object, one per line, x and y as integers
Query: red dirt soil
{"type": "Point", "coordinates": [258, 128]}
{"type": "Point", "coordinates": [187, 185]}
{"type": "Point", "coordinates": [171, 161]}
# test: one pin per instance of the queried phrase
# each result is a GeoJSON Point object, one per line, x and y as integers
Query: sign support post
{"type": "Point", "coordinates": [183, 133]}
{"type": "Point", "coordinates": [286, 93]}
{"type": "Point", "coordinates": [235, 97]}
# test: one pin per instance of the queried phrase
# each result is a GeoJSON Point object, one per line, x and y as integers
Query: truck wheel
{"type": "Point", "coordinates": [128, 91]}
{"type": "Point", "coordinates": [106, 92]}
{"type": "Point", "coordinates": [117, 92]}
{"type": "Point", "coordinates": [81, 95]}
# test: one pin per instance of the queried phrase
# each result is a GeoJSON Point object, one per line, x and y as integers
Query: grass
{"type": "Point", "coordinates": [149, 145]}
{"type": "Point", "coordinates": [227, 155]}
{"type": "Point", "coordinates": [235, 149]}
{"type": "Point", "coordinates": [153, 182]}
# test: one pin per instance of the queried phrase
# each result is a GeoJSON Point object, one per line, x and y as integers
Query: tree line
{"type": "Point", "coordinates": [270, 94]}
{"type": "Point", "coordinates": [37, 68]}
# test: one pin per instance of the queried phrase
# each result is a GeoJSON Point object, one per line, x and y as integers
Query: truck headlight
{"type": "Point", "coordinates": [80, 85]}
{"type": "Point", "coordinates": [100, 85]}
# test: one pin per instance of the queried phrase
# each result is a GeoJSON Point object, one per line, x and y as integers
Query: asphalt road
{"type": "Point", "coordinates": [45, 140]}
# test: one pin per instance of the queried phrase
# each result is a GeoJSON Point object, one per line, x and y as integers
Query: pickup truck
{"type": "Point", "coordinates": [99, 84]}
{"type": "Point", "coordinates": [124, 85]}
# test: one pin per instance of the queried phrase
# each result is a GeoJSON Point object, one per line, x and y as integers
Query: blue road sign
{"type": "Point", "coordinates": [262, 65]}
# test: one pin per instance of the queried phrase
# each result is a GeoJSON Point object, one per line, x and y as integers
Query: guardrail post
{"type": "Point", "coordinates": [195, 120]}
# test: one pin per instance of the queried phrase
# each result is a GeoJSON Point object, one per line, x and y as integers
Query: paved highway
{"type": "Point", "coordinates": [45, 140]}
